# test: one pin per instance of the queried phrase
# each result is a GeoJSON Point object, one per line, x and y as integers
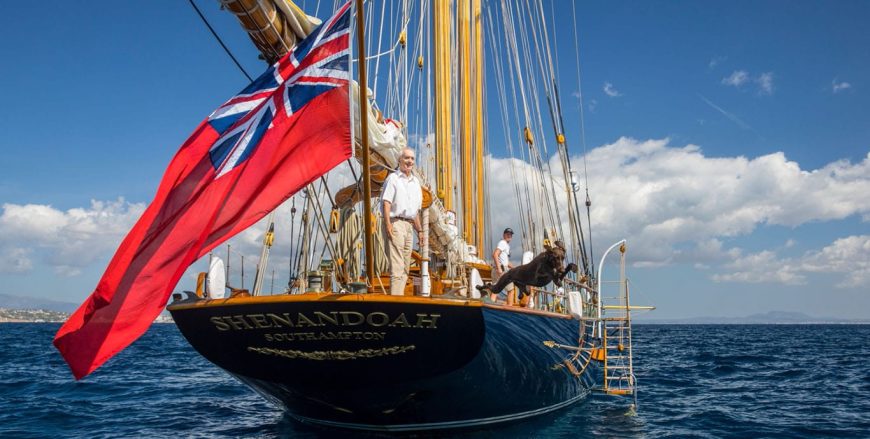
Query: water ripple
{"type": "Point", "coordinates": [696, 382]}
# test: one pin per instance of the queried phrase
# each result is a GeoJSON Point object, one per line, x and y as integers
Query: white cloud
{"type": "Point", "coordinates": [15, 260]}
{"type": "Point", "coordinates": [611, 91]}
{"type": "Point", "coordinates": [762, 267]}
{"type": "Point", "coordinates": [593, 104]}
{"type": "Point", "coordinates": [849, 256]}
{"type": "Point", "coordinates": [66, 240]}
{"type": "Point", "coordinates": [765, 83]}
{"type": "Point", "coordinates": [740, 77]}
{"type": "Point", "coordinates": [837, 87]}
{"type": "Point", "coordinates": [737, 78]}
{"type": "Point", "coordinates": [665, 199]}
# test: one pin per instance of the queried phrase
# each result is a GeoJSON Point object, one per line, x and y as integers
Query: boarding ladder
{"type": "Point", "coordinates": [614, 330]}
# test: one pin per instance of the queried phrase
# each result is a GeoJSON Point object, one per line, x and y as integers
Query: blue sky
{"type": "Point", "coordinates": [746, 125]}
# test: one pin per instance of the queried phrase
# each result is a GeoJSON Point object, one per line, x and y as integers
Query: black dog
{"type": "Point", "coordinates": [545, 268]}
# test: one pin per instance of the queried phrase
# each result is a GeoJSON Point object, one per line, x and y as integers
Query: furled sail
{"type": "Point", "coordinates": [274, 26]}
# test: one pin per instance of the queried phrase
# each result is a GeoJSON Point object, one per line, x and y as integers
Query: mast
{"type": "Point", "coordinates": [464, 16]}
{"type": "Point", "coordinates": [268, 239]}
{"type": "Point", "coordinates": [442, 102]}
{"type": "Point", "coordinates": [478, 121]}
{"type": "Point", "coordinates": [302, 275]}
{"type": "Point", "coordinates": [364, 136]}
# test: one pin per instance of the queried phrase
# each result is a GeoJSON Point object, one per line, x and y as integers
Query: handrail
{"type": "Point", "coordinates": [580, 285]}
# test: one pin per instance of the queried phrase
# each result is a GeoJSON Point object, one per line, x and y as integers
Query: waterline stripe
{"type": "Point", "coordinates": [444, 425]}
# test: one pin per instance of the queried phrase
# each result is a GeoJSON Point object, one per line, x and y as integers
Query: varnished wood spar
{"type": "Point", "coordinates": [463, 13]}
{"type": "Point", "coordinates": [364, 127]}
{"type": "Point", "coordinates": [443, 130]}
{"type": "Point", "coordinates": [476, 16]}
{"type": "Point", "coordinates": [274, 27]}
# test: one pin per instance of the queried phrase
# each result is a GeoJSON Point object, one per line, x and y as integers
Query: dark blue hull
{"type": "Point", "coordinates": [475, 365]}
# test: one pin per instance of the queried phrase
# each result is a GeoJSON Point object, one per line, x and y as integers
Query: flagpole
{"type": "Point", "coordinates": [364, 137]}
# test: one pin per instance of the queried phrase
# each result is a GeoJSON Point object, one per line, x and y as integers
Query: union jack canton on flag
{"type": "Point", "coordinates": [316, 65]}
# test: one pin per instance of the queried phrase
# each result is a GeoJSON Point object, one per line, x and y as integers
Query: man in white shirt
{"type": "Point", "coordinates": [501, 256]}
{"type": "Point", "coordinates": [402, 198]}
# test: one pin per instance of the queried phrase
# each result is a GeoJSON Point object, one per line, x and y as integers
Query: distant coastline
{"type": "Point", "coordinates": [8, 315]}
{"type": "Point", "coordinates": [23, 309]}
{"type": "Point", "coordinates": [31, 316]}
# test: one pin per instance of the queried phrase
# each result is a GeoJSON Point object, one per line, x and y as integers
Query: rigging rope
{"type": "Point", "coordinates": [495, 48]}
{"type": "Point", "coordinates": [227, 50]}
{"type": "Point", "coordinates": [583, 138]}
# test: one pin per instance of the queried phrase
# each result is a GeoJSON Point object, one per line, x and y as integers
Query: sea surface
{"type": "Point", "coordinates": [705, 381]}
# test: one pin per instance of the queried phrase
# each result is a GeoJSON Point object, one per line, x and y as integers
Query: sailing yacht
{"type": "Point", "coordinates": [335, 348]}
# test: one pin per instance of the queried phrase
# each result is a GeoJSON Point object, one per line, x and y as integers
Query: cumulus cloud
{"type": "Point", "coordinates": [765, 83]}
{"type": "Point", "coordinates": [848, 256]}
{"type": "Point", "coordinates": [762, 267]}
{"type": "Point", "coordinates": [736, 79]}
{"type": "Point", "coordinates": [676, 205]}
{"type": "Point", "coordinates": [15, 260]}
{"type": "Point", "coordinates": [840, 86]}
{"type": "Point", "coordinates": [66, 240]}
{"type": "Point", "coordinates": [611, 91]}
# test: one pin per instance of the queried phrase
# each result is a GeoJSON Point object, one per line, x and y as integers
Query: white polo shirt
{"type": "Point", "coordinates": [404, 194]}
{"type": "Point", "coordinates": [505, 255]}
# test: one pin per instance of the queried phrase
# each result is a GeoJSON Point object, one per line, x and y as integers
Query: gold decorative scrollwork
{"type": "Point", "coordinates": [333, 355]}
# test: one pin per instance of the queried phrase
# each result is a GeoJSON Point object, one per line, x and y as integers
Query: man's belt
{"type": "Point", "coordinates": [398, 218]}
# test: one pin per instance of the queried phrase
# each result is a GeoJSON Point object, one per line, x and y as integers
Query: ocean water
{"type": "Point", "coordinates": [705, 381]}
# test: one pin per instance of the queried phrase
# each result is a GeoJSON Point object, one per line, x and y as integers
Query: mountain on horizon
{"type": "Point", "coordinates": [770, 317]}
{"type": "Point", "coordinates": [22, 302]}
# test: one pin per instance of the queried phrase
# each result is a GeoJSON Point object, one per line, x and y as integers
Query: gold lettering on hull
{"type": "Point", "coordinates": [328, 335]}
{"type": "Point", "coordinates": [333, 355]}
{"type": "Point", "coordinates": [320, 319]}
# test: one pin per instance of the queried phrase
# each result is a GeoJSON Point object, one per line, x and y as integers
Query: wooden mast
{"type": "Point", "coordinates": [466, 147]}
{"type": "Point", "coordinates": [443, 102]}
{"type": "Point", "coordinates": [478, 123]}
{"type": "Point", "coordinates": [364, 137]}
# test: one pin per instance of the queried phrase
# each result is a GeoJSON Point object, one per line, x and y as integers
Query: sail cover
{"type": "Point", "coordinates": [286, 129]}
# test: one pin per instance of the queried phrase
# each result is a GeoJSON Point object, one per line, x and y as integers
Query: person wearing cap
{"type": "Point", "coordinates": [501, 255]}
{"type": "Point", "coordinates": [402, 199]}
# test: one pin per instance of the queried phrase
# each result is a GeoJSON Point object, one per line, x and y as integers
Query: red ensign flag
{"type": "Point", "coordinates": [286, 129]}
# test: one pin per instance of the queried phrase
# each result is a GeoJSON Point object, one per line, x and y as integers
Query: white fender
{"type": "Point", "coordinates": [216, 281]}
{"type": "Point", "coordinates": [474, 281]}
{"type": "Point", "coordinates": [575, 304]}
